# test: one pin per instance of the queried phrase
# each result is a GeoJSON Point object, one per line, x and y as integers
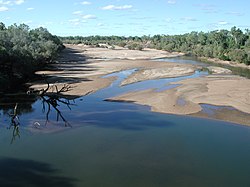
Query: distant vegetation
{"type": "Point", "coordinates": [233, 45]}
{"type": "Point", "coordinates": [23, 51]}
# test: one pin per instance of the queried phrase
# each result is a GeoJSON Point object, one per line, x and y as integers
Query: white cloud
{"type": "Point", "coordinates": [172, 2]}
{"type": "Point", "coordinates": [5, 2]}
{"type": "Point", "coordinates": [30, 9]}
{"type": "Point", "coordinates": [222, 23]}
{"type": "Point", "coordinates": [3, 8]}
{"type": "Point", "coordinates": [89, 16]}
{"type": "Point", "coordinates": [77, 12]}
{"type": "Point", "coordinates": [19, 2]}
{"type": "Point", "coordinates": [86, 3]}
{"type": "Point", "coordinates": [113, 7]}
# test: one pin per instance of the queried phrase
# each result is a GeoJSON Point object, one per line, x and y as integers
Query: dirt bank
{"type": "Point", "coordinates": [82, 67]}
{"type": "Point", "coordinates": [215, 90]}
{"type": "Point", "coordinates": [122, 53]}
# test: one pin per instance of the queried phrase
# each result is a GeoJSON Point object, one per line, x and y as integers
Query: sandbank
{"type": "Point", "coordinates": [218, 90]}
{"type": "Point", "coordinates": [83, 68]}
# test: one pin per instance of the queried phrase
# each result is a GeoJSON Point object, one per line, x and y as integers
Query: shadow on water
{"type": "Point", "coordinates": [8, 102]}
{"type": "Point", "coordinates": [11, 110]}
{"type": "Point", "coordinates": [24, 173]}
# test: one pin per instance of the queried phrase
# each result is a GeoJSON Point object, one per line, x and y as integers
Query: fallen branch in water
{"type": "Point", "coordinates": [52, 97]}
{"type": "Point", "coordinates": [14, 123]}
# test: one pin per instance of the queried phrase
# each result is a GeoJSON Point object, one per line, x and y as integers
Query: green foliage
{"type": "Point", "coordinates": [229, 45]}
{"type": "Point", "coordinates": [22, 51]}
{"type": "Point", "coordinates": [135, 46]}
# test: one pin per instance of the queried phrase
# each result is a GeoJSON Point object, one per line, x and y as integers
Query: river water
{"type": "Point", "coordinates": [119, 144]}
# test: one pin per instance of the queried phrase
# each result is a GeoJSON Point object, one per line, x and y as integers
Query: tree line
{"type": "Point", "coordinates": [24, 50]}
{"type": "Point", "coordinates": [232, 45]}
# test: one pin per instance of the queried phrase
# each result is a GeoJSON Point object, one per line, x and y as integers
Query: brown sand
{"type": "Point", "coordinates": [225, 62]}
{"type": "Point", "coordinates": [122, 53]}
{"type": "Point", "coordinates": [77, 67]}
{"type": "Point", "coordinates": [217, 90]}
{"type": "Point", "coordinates": [158, 73]}
{"type": "Point", "coordinates": [82, 67]}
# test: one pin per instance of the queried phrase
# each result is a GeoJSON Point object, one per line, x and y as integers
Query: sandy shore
{"type": "Point", "coordinates": [83, 67]}
{"type": "Point", "coordinates": [185, 99]}
{"type": "Point", "coordinates": [159, 73]}
{"type": "Point", "coordinates": [225, 62]}
{"type": "Point", "coordinates": [122, 53]}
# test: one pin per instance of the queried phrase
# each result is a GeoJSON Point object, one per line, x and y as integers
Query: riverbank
{"type": "Point", "coordinates": [187, 99]}
{"type": "Point", "coordinates": [224, 62]}
{"type": "Point", "coordinates": [121, 53]}
{"type": "Point", "coordinates": [83, 68]}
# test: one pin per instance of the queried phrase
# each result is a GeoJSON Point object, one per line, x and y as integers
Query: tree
{"type": "Point", "coordinates": [23, 51]}
{"type": "Point", "coordinates": [238, 36]}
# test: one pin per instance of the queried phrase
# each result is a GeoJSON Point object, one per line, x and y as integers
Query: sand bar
{"type": "Point", "coordinates": [83, 68]}
{"type": "Point", "coordinates": [218, 90]}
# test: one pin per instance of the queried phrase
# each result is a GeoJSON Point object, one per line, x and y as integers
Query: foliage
{"type": "Point", "coordinates": [135, 46]}
{"type": "Point", "coordinates": [223, 44]}
{"type": "Point", "coordinates": [23, 51]}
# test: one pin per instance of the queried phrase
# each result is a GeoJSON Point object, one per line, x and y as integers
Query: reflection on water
{"type": "Point", "coordinates": [191, 60]}
{"type": "Point", "coordinates": [14, 123]}
{"type": "Point", "coordinates": [24, 173]}
{"type": "Point", "coordinates": [50, 103]}
{"type": "Point", "coordinates": [210, 110]}
{"type": "Point", "coordinates": [168, 151]}
{"type": "Point", "coordinates": [121, 144]}
{"type": "Point", "coordinates": [184, 60]}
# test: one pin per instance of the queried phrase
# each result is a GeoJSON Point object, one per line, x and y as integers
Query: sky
{"type": "Point", "coordinates": [126, 17]}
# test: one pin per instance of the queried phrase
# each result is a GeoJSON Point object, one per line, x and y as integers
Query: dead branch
{"type": "Point", "coordinates": [51, 96]}
{"type": "Point", "coordinates": [14, 123]}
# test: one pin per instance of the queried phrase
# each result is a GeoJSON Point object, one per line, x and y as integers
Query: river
{"type": "Point", "coordinates": [101, 143]}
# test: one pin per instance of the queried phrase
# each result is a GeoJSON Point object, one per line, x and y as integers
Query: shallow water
{"type": "Point", "coordinates": [122, 144]}
{"type": "Point", "coordinates": [184, 60]}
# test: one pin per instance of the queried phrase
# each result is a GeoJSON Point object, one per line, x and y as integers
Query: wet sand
{"type": "Point", "coordinates": [83, 67]}
{"type": "Point", "coordinates": [218, 90]}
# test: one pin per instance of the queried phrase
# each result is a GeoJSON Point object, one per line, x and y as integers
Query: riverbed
{"type": "Point", "coordinates": [105, 143]}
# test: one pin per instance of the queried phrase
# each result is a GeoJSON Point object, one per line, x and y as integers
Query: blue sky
{"type": "Point", "coordinates": [126, 17]}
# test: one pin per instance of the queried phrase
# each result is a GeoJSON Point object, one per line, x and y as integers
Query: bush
{"type": "Point", "coordinates": [135, 46]}
{"type": "Point", "coordinates": [23, 51]}
{"type": "Point", "coordinates": [239, 55]}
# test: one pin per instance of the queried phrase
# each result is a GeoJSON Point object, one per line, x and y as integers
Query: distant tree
{"type": "Point", "coordinates": [222, 44]}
